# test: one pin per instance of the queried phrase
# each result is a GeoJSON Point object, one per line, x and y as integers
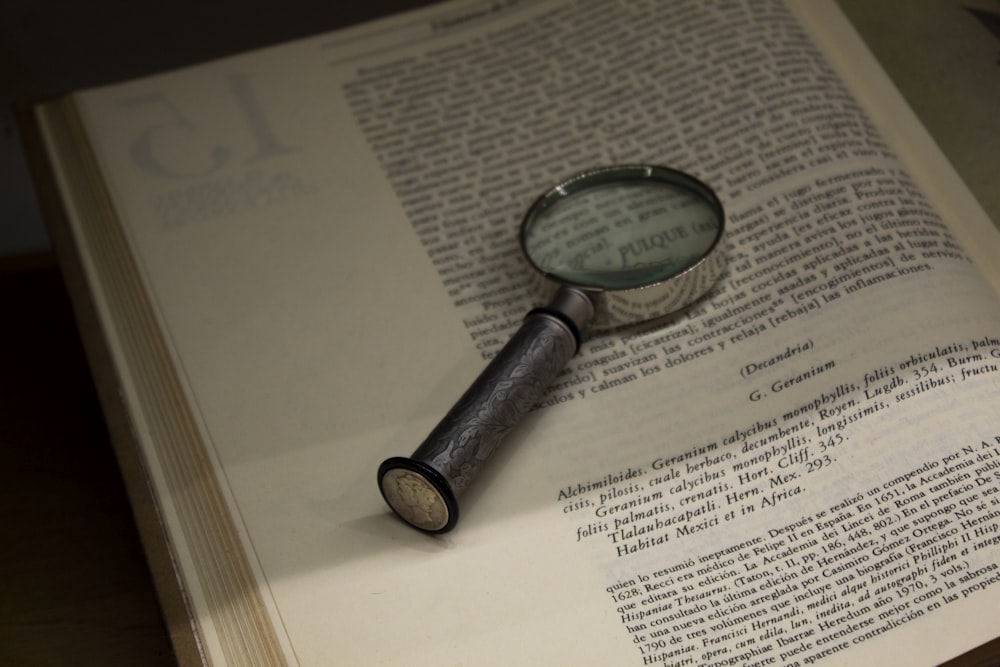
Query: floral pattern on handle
{"type": "Point", "coordinates": [509, 387]}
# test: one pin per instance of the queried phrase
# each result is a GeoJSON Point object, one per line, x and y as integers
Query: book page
{"type": "Point", "coordinates": [801, 468]}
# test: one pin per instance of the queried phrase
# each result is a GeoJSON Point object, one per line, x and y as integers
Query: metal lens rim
{"type": "Point", "coordinates": [620, 174]}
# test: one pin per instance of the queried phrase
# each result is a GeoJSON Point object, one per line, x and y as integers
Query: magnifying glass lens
{"type": "Point", "coordinates": [620, 235]}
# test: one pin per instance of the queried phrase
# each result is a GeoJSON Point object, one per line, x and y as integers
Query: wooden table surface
{"type": "Point", "coordinates": [74, 585]}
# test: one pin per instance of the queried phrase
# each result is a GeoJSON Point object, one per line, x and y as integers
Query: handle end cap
{"type": "Point", "coordinates": [418, 494]}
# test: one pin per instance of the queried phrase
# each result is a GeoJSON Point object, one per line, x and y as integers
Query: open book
{"type": "Point", "coordinates": [299, 257]}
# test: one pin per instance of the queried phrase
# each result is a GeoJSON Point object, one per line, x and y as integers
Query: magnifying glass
{"type": "Point", "coordinates": [611, 247]}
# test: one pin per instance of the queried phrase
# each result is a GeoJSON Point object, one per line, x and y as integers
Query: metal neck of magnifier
{"type": "Point", "coordinates": [423, 489]}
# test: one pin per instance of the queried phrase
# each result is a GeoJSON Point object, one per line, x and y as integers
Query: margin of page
{"type": "Point", "coordinates": [85, 203]}
{"type": "Point", "coordinates": [899, 124]}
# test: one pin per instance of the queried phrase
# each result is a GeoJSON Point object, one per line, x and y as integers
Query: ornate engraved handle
{"type": "Point", "coordinates": [424, 488]}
